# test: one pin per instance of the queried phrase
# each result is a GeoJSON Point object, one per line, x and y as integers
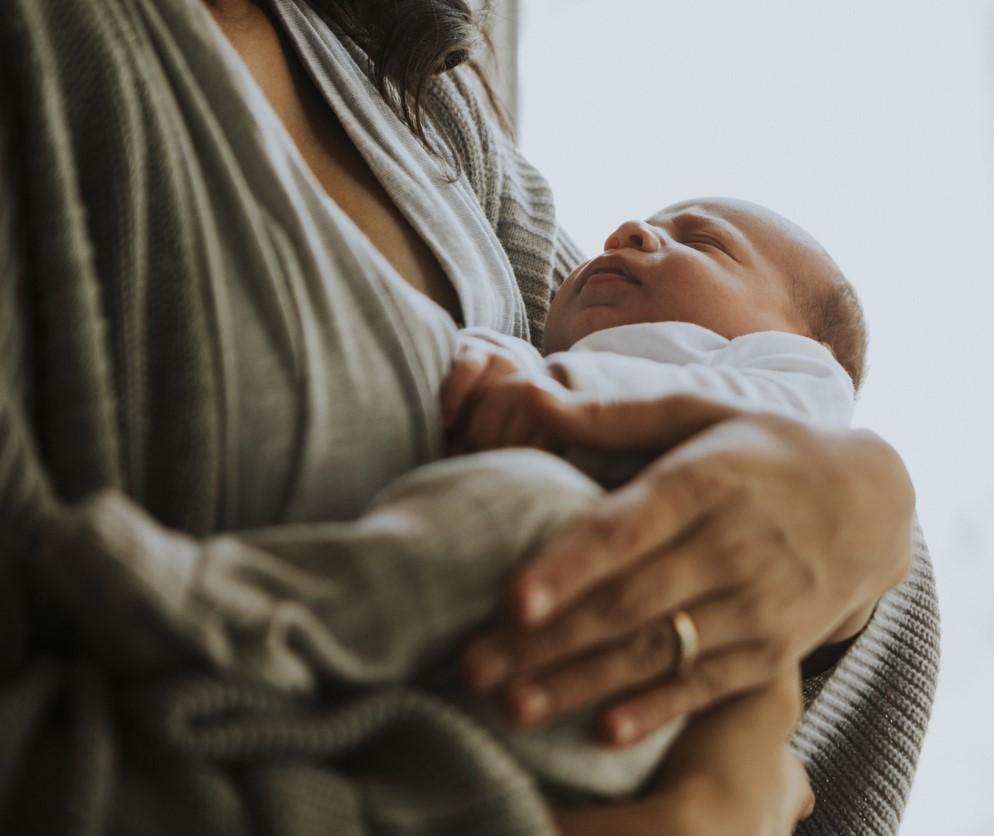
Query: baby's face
{"type": "Point", "coordinates": [726, 265]}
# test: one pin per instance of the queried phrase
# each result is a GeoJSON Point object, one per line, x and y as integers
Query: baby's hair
{"type": "Point", "coordinates": [831, 310]}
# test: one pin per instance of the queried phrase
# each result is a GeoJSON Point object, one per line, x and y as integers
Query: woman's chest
{"type": "Point", "coordinates": [271, 355]}
{"type": "Point", "coordinates": [332, 156]}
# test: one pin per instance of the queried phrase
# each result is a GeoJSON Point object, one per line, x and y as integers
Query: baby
{"type": "Point", "coordinates": [717, 298]}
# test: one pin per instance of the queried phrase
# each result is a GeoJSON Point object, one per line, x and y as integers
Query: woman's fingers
{"type": "Point", "coordinates": [641, 517]}
{"type": "Point", "coordinates": [560, 692]}
{"type": "Point", "coordinates": [713, 679]}
{"type": "Point", "coordinates": [617, 612]}
{"type": "Point", "coordinates": [729, 662]}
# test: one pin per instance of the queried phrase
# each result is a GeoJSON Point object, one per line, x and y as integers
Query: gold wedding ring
{"type": "Point", "coordinates": [688, 641]}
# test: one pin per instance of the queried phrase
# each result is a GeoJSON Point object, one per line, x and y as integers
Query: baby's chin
{"type": "Point", "coordinates": [564, 332]}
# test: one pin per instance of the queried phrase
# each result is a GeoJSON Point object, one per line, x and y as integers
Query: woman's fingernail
{"type": "Point", "coordinates": [530, 704]}
{"type": "Point", "coordinates": [538, 603]}
{"type": "Point", "coordinates": [486, 668]}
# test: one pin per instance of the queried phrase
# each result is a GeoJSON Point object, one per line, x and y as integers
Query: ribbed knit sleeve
{"type": "Point", "coordinates": [515, 197]}
{"type": "Point", "coordinates": [863, 730]}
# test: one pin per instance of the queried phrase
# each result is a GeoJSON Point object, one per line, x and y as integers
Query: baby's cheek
{"type": "Point", "coordinates": [557, 321]}
{"type": "Point", "coordinates": [682, 297]}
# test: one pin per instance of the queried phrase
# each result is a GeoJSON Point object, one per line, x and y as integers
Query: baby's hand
{"type": "Point", "coordinates": [478, 363]}
{"type": "Point", "coordinates": [507, 414]}
{"type": "Point", "coordinates": [487, 396]}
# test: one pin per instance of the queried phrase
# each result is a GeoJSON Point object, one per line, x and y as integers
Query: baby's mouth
{"type": "Point", "coordinates": [628, 277]}
{"type": "Point", "coordinates": [607, 270]}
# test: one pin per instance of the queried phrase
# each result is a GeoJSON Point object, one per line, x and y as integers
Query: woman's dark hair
{"type": "Point", "coordinates": [409, 43]}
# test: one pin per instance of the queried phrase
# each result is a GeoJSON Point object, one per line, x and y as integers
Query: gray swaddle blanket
{"type": "Point", "coordinates": [205, 370]}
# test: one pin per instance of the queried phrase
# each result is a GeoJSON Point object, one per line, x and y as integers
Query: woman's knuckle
{"type": "Point", "coordinates": [698, 484]}
{"type": "Point", "coordinates": [538, 649]}
{"type": "Point", "coordinates": [734, 562]}
{"type": "Point", "coordinates": [565, 637]}
{"type": "Point", "coordinates": [613, 607]}
{"type": "Point", "coordinates": [778, 654]}
{"type": "Point", "coordinates": [752, 611]}
{"type": "Point", "coordinates": [807, 575]}
{"type": "Point", "coordinates": [651, 651]}
{"type": "Point", "coordinates": [709, 685]}
{"type": "Point", "coordinates": [744, 493]}
{"type": "Point", "coordinates": [602, 530]}
{"type": "Point", "coordinates": [784, 692]}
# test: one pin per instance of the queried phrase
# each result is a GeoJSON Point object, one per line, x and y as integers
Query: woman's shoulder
{"type": "Point", "coordinates": [471, 132]}
{"type": "Point", "coordinates": [515, 197]}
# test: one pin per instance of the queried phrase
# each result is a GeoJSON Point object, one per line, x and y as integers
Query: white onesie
{"type": "Point", "coordinates": [774, 371]}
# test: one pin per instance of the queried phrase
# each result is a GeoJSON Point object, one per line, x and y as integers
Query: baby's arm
{"type": "Point", "coordinates": [491, 395]}
{"type": "Point", "coordinates": [774, 372]}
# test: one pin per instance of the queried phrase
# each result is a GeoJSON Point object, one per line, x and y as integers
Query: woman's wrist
{"type": "Point", "coordinates": [824, 658]}
{"type": "Point", "coordinates": [850, 629]}
{"type": "Point", "coordinates": [680, 808]}
{"type": "Point", "coordinates": [884, 485]}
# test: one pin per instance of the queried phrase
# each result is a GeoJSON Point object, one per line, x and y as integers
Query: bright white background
{"type": "Point", "coordinates": [872, 125]}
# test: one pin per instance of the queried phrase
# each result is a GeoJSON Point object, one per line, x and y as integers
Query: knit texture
{"type": "Point", "coordinates": [119, 180]}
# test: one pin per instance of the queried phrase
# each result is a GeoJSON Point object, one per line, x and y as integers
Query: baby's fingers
{"type": "Point", "coordinates": [467, 368]}
{"type": "Point", "coordinates": [490, 417]}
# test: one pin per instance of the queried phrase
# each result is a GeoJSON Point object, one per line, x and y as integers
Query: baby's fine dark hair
{"type": "Point", "coordinates": [831, 309]}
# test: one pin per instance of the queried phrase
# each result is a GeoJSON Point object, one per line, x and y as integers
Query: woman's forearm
{"type": "Point", "coordinates": [730, 772]}
{"type": "Point", "coordinates": [879, 489]}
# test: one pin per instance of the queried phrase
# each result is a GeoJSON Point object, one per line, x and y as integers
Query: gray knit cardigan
{"type": "Point", "coordinates": [89, 745]}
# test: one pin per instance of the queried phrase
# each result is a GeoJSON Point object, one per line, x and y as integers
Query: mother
{"type": "Point", "coordinates": [205, 215]}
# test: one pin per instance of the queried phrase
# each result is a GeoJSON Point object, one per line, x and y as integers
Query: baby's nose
{"type": "Point", "coordinates": [636, 234]}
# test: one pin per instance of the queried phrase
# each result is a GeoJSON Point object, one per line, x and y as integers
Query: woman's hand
{"type": "Point", "coordinates": [730, 771]}
{"type": "Point", "coordinates": [775, 538]}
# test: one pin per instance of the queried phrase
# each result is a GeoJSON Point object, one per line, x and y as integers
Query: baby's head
{"type": "Point", "coordinates": [727, 265]}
